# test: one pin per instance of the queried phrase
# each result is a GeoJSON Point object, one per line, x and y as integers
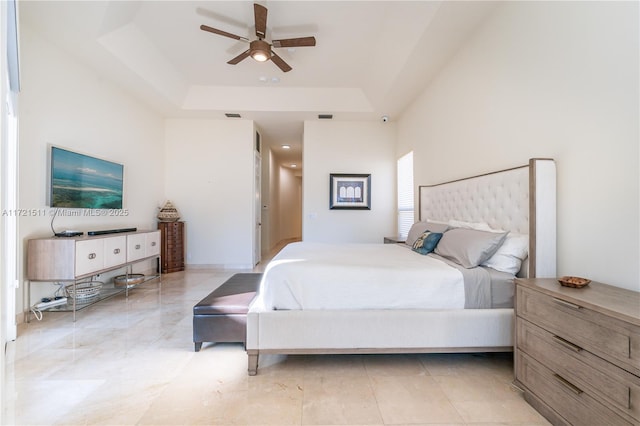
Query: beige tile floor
{"type": "Point", "coordinates": [130, 361]}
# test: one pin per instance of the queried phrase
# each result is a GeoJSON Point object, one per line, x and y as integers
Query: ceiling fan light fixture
{"type": "Point", "coordinates": [260, 50]}
{"type": "Point", "coordinates": [260, 56]}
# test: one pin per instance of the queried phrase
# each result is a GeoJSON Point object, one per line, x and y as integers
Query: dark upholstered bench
{"type": "Point", "coordinates": [222, 315]}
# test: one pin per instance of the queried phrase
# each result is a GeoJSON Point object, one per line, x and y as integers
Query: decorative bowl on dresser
{"type": "Point", "coordinates": [171, 246]}
{"type": "Point", "coordinates": [577, 353]}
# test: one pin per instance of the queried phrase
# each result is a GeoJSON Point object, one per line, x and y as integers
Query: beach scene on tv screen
{"type": "Point", "coordinates": [81, 181]}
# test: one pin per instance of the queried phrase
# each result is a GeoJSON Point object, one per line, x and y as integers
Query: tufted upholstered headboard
{"type": "Point", "coordinates": [521, 199]}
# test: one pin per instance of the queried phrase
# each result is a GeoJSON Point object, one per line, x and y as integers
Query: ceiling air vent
{"type": "Point", "coordinates": [325, 116]}
{"type": "Point", "coordinates": [232, 115]}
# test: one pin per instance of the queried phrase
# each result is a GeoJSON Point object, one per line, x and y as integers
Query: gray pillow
{"type": "Point", "coordinates": [469, 247]}
{"type": "Point", "coordinates": [418, 228]}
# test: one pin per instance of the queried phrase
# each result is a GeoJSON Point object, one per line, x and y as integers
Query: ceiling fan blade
{"type": "Point", "coordinates": [222, 33]}
{"type": "Point", "coordinates": [239, 58]}
{"type": "Point", "coordinates": [260, 15]}
{"type": "Point", "coordinates": [280, 63]}
{"type": "Point", "coordinates": [295, 42]}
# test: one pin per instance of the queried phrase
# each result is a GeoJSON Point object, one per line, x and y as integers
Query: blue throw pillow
{"type": "Point", "coordinates": [426, 242]}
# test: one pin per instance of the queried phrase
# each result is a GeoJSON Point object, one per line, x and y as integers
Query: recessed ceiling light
{"type": "Point", "coordinates": [275, 80]}
{"type": "Point", "coordinates": [286, 146]}
{"type": "Point", "coordinates": [263, 79]}
{"type": "Point", "coordinates": [294, 165]}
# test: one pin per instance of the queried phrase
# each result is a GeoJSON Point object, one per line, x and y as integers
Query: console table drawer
{"type": "Point", "coordinates": [89, 256]}
{"type": "Point", "coordinates": [152, 242]}
{"type": "Point", "coordinates": [590, 373]}
{"type": "Point", "coordinates": [115, 251]}
{"type": "Point", "coordinates": [590, 330]}
{"type": "Point", "coordinates": [577, 407]}
{"type": "Point", "coordinates": [135, 247]}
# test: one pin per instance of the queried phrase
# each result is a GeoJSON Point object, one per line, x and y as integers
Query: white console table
{"type": "Point", "coordinates": [72, 259]}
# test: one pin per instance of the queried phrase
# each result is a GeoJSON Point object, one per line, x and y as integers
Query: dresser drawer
{"type": "Point", "coordinates": [597, 333]}
{"type": "Point", "coordinates": [568, 400]}
{"type": "Point", "coordinates": [595, 376]}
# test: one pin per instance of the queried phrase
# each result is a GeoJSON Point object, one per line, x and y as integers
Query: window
{"type": "Point", "coordinates": [9, 87]}
{"type": "Point", "coordinates": [405, 194]}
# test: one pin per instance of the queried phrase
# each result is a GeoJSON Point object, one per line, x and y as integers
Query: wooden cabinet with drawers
{"type": "Point", "coordinates": [172, 246]}
{"type": "Point", "coordinates": [577, 353]}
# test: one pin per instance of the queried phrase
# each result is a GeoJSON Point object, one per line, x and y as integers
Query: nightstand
{"type": "Point", "coordinates": [577, 353]}
{"type": "Point", "coordinates": [394, 240]}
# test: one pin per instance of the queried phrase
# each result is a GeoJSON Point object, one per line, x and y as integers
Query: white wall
{"type": "Point", "coordinates": [348, 147]}
{"type": "Point", "coordinates": [209, 178]}
{"type": "Point", "coordinates": [64, 103]}
{"type": "Point", "coordinates": [547, 79]}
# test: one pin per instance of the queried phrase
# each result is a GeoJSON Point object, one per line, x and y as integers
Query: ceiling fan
{"type": "Point", "coordinates": [259, 49]}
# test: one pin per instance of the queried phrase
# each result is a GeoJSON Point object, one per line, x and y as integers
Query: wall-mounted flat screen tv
{"type": "Point", "coordinates": [84, 182]}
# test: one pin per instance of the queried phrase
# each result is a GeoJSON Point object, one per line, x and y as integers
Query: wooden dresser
{"type": "Point", "coordinates": [171, 246]}
{"type": "Point", "coordinates": [577, 353]}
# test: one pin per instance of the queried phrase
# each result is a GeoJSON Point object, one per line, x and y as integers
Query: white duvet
{"type": "Point", "coordinates": [358, 276]}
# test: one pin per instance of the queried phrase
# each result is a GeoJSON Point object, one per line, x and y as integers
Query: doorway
{"type": "Point", "coordinates": [281, 200]}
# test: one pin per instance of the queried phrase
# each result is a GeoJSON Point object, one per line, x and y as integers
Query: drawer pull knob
{"type": "Point", "coordinates": [116, 251]}
{"type": "Point", "coordinates": [153, 244]}
{"type": "Point", "coordinates": [137, 247]}
{"type": "Point", "coordinates": [92, 256]}
{"type": "Point", "coordinates": [573, 388]}
{"type": "Point", "coordinates": [567, 304]}
{"type": "Point", "coordinates": [567, 344]}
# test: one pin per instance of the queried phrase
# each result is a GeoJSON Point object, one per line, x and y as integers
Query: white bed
{"type": "Point", "coordinates": [301, 319]}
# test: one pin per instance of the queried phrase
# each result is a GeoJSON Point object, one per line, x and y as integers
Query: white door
{"type": "Point", "coordinates": [257, 209]}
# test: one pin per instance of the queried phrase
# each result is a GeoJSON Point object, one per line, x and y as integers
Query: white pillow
{"type": "Point", "coordinates": [510, 255]}
{"type": "Point", "coordinates": [479, 226]}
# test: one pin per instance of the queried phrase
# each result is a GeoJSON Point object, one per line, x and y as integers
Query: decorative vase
{"type": "Point", "coordinates": [168, 213]}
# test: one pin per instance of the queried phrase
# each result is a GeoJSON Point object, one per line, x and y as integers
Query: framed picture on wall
{"type": "Point", "coordinates": [350, 191]}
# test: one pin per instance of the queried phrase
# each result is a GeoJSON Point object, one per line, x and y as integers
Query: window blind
{"type": "Point", "coordinates": [405, 194]}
